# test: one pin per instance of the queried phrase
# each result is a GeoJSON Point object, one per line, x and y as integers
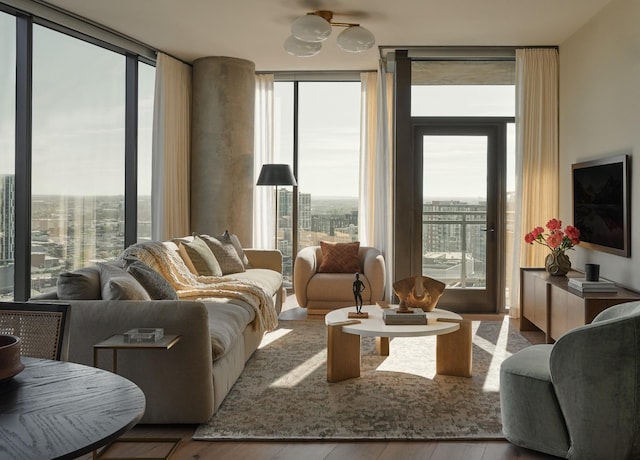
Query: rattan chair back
{"type": "Point", "coordinates": [40, 327]}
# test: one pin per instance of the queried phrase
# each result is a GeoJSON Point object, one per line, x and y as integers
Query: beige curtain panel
{"type": "Point", "coordinates": [263, 153]}
{"type": "Point", "coordinates": [376, 167]}
{"type": "Point", "coordinates": [171, 149]}
{"type": "Point", "coordinates": [536, 155]}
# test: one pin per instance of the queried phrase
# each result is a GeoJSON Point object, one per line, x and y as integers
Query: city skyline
{"type": "Point", "coordinates": [90, 230]}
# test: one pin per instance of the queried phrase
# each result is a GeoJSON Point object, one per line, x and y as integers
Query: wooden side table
{"type": "Point", "coordinates": [116, 343]}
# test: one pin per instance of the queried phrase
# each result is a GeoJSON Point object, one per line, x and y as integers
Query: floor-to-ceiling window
{"type": "Point", "coordinates": [317, 126]}
{"type": "Point", "coordinates": [7, 151]}
{"type": "Point", "coordinates": [77, 154]}
{"type": "Point", "coordinates": [467, 176]}
{"type": "Point", "coordinates": [73, 142]}
{"type": "Point", "coordinates": [284, 152]}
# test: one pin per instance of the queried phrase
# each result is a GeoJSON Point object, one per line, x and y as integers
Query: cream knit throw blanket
{"type": "Point", "coordinates": [195, 287]}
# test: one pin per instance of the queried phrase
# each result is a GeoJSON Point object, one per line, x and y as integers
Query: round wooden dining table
{"type": "Point", "coordinates": [61, 410]}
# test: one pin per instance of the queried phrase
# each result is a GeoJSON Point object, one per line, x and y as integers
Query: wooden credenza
{"type": "Point", "coordinates": [549, 305]}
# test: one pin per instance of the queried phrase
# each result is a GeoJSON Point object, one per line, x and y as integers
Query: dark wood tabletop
{"type": "Point", "coordinates": [62, 410]}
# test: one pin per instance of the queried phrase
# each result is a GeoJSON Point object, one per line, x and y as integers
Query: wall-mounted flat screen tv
{"type": "Point", "coordinates": [601, 193]}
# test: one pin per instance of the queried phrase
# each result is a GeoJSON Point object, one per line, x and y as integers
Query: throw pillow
{"type": "Point", "coordinates": [81, 284]}
{"type": "Point", "coordinates": [182, 252]}
{"type": "Point", "coordinates": [225, 254]}
{"type": "Point", "coordinates": [339, 257]}
{"type": "Point", "coordinates": [153, 282]}
{"type": "Point", "coordinates": [201, 256]}
{"type": "Point", "coordinates": [233, 238]}
{"type": "Point", "coordinates": [117, 284]}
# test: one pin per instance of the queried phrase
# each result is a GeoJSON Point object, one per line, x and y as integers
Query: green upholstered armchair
{"type": "Point", "coordinates": [580, 397]}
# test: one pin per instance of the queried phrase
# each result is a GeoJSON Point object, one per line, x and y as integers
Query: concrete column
{"type": "Point", "coordinates": [222, 146]}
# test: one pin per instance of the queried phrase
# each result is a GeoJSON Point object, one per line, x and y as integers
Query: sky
{"type": "Point", "coordinates": [7, 92]}
{"type": "Point", "coordinates": [329, 136]}
{"type": "Point", "coordinates": [78, 114]}
{"type": "Point", "coordinates": [454, 166]}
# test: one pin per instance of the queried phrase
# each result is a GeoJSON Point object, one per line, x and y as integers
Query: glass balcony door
{"type": "Point", "coordinates": [461, 197]}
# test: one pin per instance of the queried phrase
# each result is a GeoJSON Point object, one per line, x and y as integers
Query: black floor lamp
{"type": "Point", "coordinates": [276, 174]}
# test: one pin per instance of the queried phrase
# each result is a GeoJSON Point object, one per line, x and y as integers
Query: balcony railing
{"type": "Point", "coordinates": [454, 247]}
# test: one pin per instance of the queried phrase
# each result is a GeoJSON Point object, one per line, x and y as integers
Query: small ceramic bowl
{"type": "Point", "coordinates": [10, 364]}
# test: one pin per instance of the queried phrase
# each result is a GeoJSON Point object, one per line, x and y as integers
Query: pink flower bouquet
{"type": "Point", "coordinates": [556, 239]}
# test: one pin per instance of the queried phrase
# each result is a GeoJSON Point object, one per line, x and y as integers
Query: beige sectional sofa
{"type": "Point", "coordinates": [219, 330]}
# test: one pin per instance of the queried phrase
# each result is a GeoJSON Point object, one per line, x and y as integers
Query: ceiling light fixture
{"type": "Point", "coordinates": [309, 31]}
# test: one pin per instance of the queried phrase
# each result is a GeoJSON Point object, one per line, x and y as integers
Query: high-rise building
{"type": "Point", "coordinates": [7, 218]}
{"type": "Point", "coordinates": [304, 211]}
{"type": "Point", "coordinates": [453, 242]}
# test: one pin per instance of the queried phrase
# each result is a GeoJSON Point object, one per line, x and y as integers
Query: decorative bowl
{"type": "Point", "coordinates": [10, 364]}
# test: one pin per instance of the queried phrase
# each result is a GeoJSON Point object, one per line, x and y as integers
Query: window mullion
{"type": "Point", "coordinates": [294, 218]}
{"type": "Point", "coordinates": [23, 164]}
{"type": "Point", "coordinates": [131, 153]}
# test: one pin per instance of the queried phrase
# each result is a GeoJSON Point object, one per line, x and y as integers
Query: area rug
{"type": "Point", "coordinates": [283, 393]}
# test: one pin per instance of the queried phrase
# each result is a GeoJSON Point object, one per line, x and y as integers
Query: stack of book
{"type": "Point", "coordinates": [582, 285]}
{"type": "Point", "coordinates": [416, 316]}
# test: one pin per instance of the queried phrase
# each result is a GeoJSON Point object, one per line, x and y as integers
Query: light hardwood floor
{"type": "Point", "coordinates": [380, 450]}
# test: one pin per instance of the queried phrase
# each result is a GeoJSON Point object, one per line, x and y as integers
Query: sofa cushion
{"type": "Point", "coordinates": [531, 414]}
{"type": "Point", "coordinates": [339, 257]}
{"type": "Point", "coordinates": [336, 287]}
{"type": "Point", "coordinates": [225, 253]}
{"type": "Point", "coordinates": [269, 280]}
{"type": "Point", "coordinates": [117, 284]}
{"type": "Point", "coordinates": [81, 284]}
{"type": "Point", "coordinates": [201, 256]}
{"type": "Point", "coordinates": [227, 321]}
{"type": "Point", "coordinates": [153, 282]}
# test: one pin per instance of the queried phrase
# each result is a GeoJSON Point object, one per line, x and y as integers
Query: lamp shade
{"type": "Point", "coordinates": [356, 39]}
{"type": "Point", "coordinates": [276, 174]}
{"type": "Point", "coordinates": [311, 28]}
{"type": "Point", "coordinates": [299, 48]}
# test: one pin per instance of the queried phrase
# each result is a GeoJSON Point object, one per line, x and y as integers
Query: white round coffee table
{"type": "Point", "coordinates": [453, 348]}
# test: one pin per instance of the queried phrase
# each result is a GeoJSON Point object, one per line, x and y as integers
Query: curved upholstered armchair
{"type": "Point", "coordinates": [323, 292]}
{"type": "Point", "coordinates": [580, 397]}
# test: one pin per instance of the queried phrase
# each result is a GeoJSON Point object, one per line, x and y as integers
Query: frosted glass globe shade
{"type": "Point", "coordinates": [356, 39]}
{"type": "Point", "coordinates": [299, 48]}
{"type": "Point", "coordinates": [311, 28]}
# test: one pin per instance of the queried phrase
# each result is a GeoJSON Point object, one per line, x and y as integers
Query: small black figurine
{"type": "Point", "coordinates": [358, 287]}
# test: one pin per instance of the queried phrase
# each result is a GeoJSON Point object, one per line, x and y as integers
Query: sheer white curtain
{"type": "Point", "coordinates": [263, 196]}
{"type": "Point", "coordinates": [171, 149]}
{"type": "Point", "coordinates": [375, 221]}
{"type": "Point", "coordinates": [536, 156]}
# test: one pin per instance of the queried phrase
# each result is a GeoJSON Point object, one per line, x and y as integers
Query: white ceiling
{"type": "Point", "coordinates": [256, 29]}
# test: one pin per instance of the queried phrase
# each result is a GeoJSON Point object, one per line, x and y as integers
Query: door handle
{"type": "Point", "coordinates": [488, 229]}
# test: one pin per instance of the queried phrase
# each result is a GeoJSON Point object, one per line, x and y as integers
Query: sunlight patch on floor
{"type": "Point", "coordinates": [498, 354]}
{"type": "Point", "coordinates": [426, 371]}
{"type": "Point", "coordinates": [273, 336]}
{"type": "Point", "coordinates": [401, 360]}
{"type": "Point", "coordinates": [301, 372]}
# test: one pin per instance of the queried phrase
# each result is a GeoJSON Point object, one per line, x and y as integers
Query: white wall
{"type": "Point", "coordinates": [600, 116]}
